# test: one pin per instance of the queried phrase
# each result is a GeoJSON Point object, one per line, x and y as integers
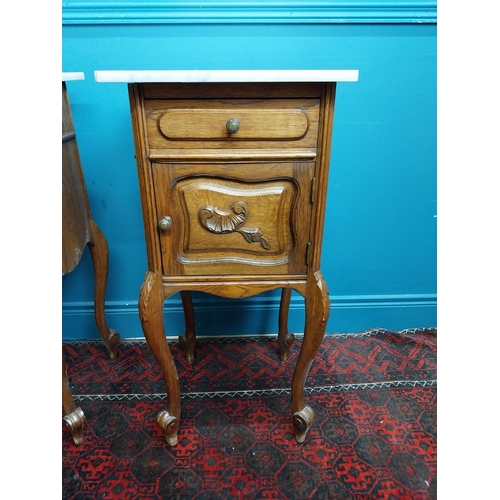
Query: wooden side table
{"type": "Point", "coordinates": [233, 172]}
{"type": "Point", "coordinates": [78, 231]}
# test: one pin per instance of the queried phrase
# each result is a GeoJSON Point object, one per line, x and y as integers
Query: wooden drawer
{"type": "Point", "coordinates": [194, 126]}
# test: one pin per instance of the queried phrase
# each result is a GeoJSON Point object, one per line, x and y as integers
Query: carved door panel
{"type": "Point", "coordinates": [238, 218]}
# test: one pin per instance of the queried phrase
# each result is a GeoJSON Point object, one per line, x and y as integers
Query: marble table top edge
{"type": "Point", "coordinates": [221, 76]}
{"type": "Point", "coordinates": [72, 75]}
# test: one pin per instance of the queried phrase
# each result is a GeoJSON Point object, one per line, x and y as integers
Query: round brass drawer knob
{"type": "Point", "coordinates": [165, 223]}
{"type": "Point", "coordinates": [233, 125]}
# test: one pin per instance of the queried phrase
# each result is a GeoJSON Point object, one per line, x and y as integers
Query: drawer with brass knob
{"type": "Point", "coordinates": [219, 124]}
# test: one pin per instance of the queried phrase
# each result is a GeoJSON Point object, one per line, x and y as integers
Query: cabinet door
{"type": "Point", "coordinates": [239, 218]}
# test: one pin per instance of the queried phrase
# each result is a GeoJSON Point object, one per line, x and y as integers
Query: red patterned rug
{"type": "Point", "coordinates": [374, 437]}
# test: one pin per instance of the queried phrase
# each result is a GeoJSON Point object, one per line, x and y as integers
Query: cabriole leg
{"type": "Point", "coordinates": [317, 312]}
{"type": "Point", "coordinates": [151, 314]}
{"type": "Point", "coordinates": [98, 247]}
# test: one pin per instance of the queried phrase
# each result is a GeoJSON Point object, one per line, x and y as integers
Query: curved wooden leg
{"type": "Point", "coordinates": [151, 314]}
{"type": "Point", "coordinates": [188, 339]}
{"type": "Point", "coordinates": [285, 338]}
{"type": "Point", "coordinates": [98, 247]}
{"type": "Point", "coordinates": [317, 312]}
{"type": "Point", "coordinates": [73, 416]}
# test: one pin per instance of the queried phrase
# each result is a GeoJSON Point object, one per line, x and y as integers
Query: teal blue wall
{"type": "Point", "coordinates": [379, 249]}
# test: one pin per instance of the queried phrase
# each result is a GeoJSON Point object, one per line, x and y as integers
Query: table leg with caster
{"type": "Point", "coordinates": [151, 314]}
{"type": "Point", "coordinates": [317, 312]}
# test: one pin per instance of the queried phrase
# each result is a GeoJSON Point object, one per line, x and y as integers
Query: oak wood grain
{"type": "Point", "coordinates": [245, 212]}
{"type": "Point", "coordinates": [276, 200]}
{"type": "Point", "coordinates": [201, 124]}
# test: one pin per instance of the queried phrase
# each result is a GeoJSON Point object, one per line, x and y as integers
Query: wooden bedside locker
{"type": "Point", "coordinates": [233, 172]}
{"type": "Point", "coordinates": [78, 231]}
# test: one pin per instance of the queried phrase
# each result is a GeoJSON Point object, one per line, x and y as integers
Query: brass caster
{"type": "Point", "coordinates": [169, 424]}
{"type": "Point", "coordinates": [302, 421]}
{"type": "Point", "coordinates": [172, 440]}
{"type": "Point", "coordinates": [74, 422]}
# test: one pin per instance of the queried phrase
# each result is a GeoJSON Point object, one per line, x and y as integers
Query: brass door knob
{"type": "Point", "coordinates": [233, 125]}
{"type": "Point", "coordinates": [165, 223]}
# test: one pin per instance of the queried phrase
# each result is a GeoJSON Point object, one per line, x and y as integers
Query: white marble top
{"type": "Point", "coordinates": [67, 76]}
{"type": "Point", "coordinates": [241, 76]}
